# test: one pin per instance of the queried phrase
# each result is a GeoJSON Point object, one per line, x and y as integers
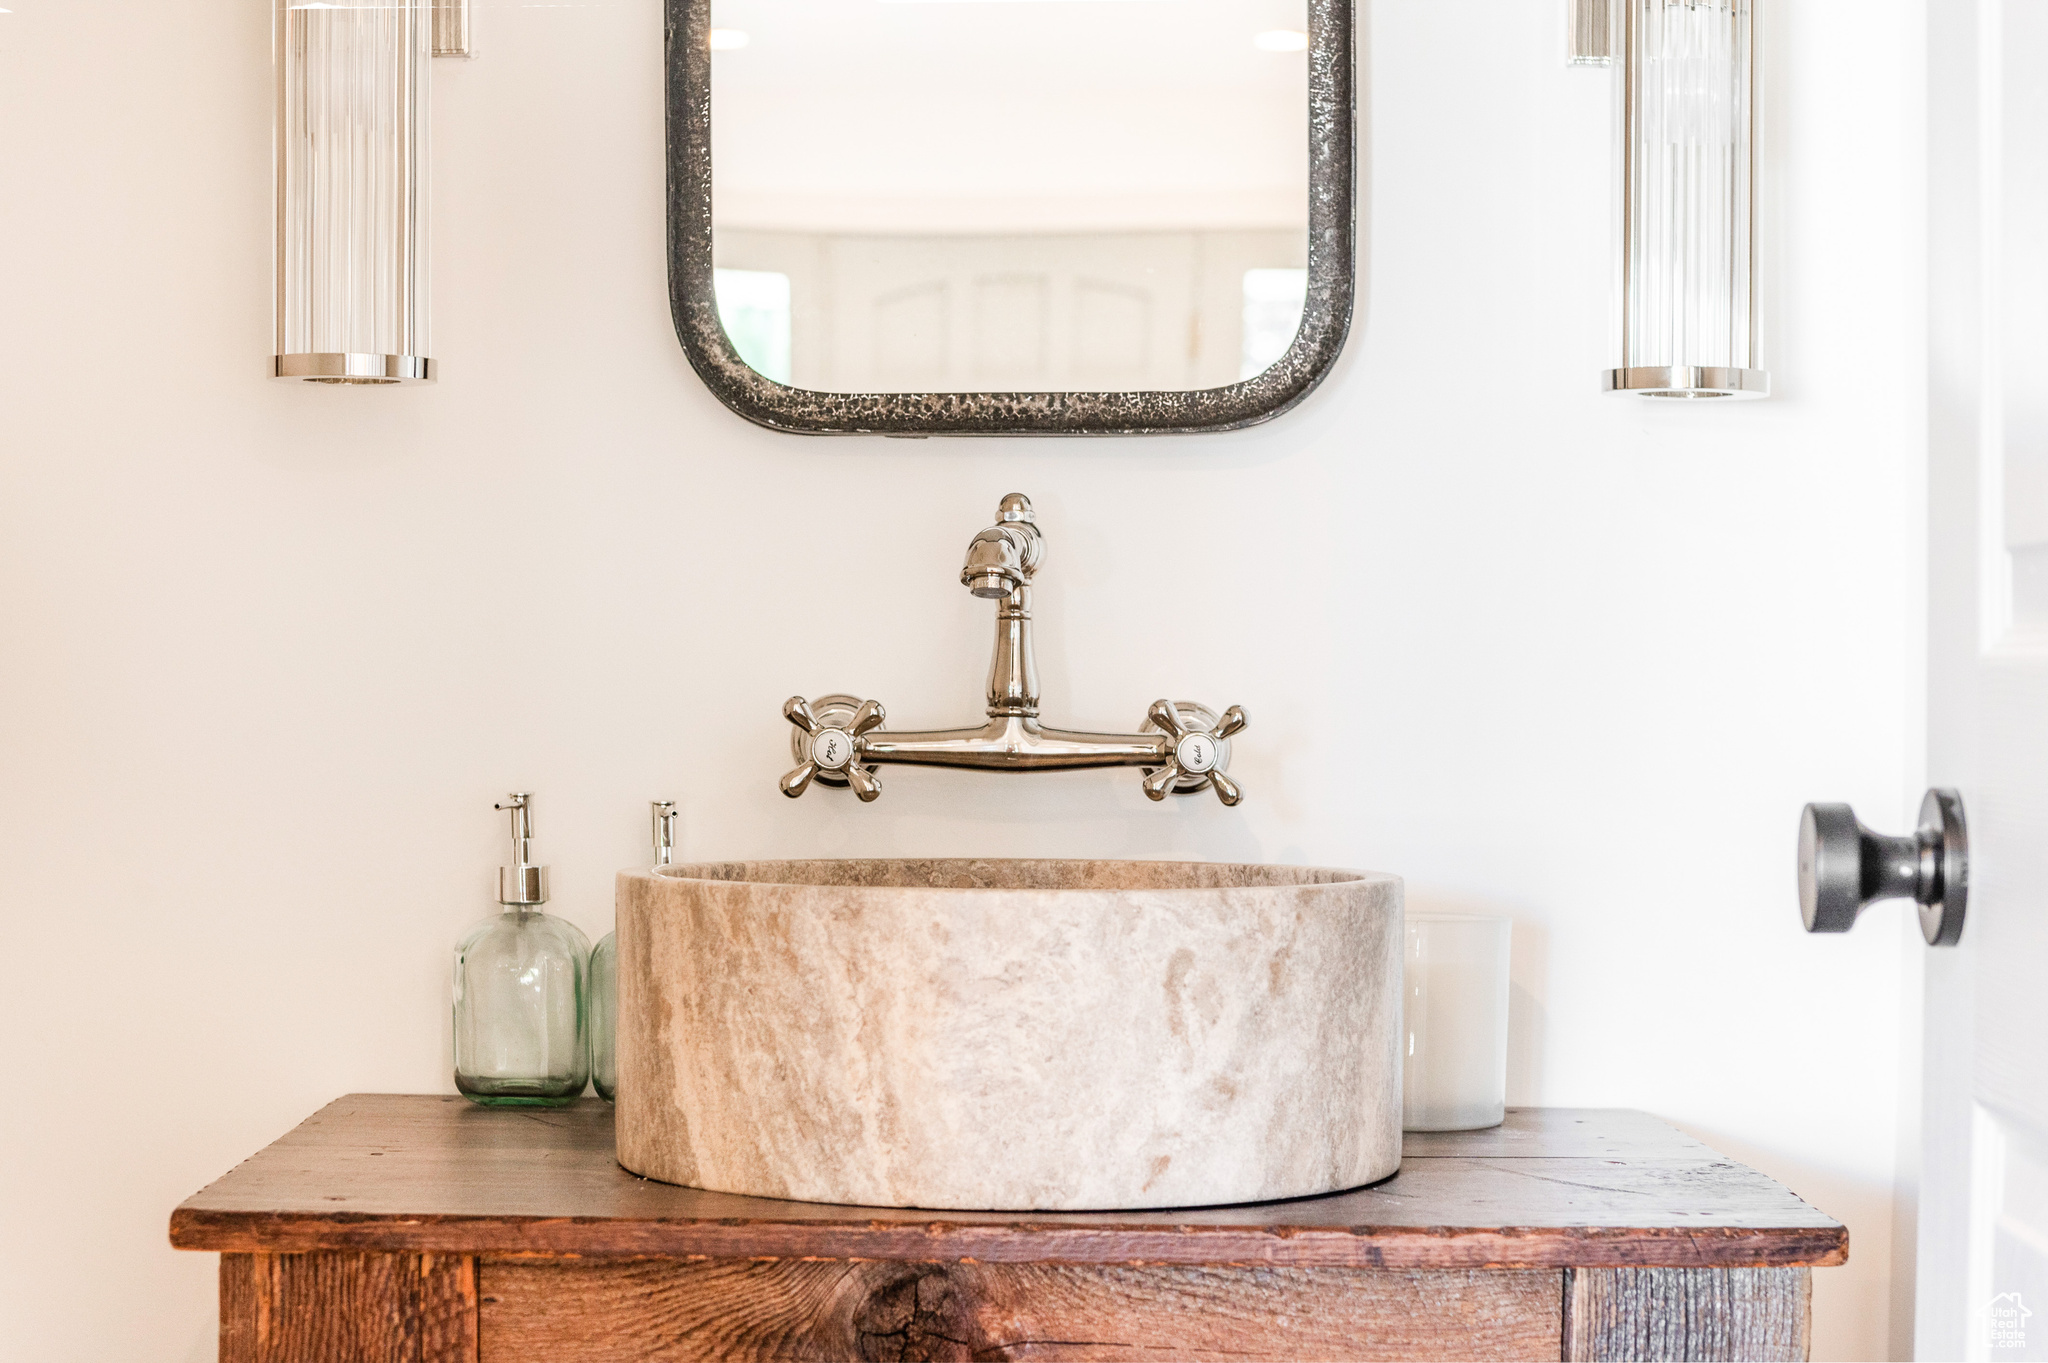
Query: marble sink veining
{"type": "Point", "coordinates": [1009, 1035]}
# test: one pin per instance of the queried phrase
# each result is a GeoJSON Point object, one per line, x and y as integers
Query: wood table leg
{"type": "Point", "coordinates": [1619, 1315]}
{"type": "Point", "coordinates": [347, 1308]}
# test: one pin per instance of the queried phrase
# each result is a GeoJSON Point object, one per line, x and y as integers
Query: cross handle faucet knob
{"type": "Point", "coordinates": [829, 742]}
{"type": "Point", "coordinates": [1198, 749]}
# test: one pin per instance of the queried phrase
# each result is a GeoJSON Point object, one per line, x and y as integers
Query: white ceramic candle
{"type": "Point", "coordinates": [1454, 1022]}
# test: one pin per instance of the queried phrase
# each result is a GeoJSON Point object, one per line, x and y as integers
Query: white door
{"type": "Point", "coordinates": [1012, 313]}
{"type": "Point", "coordinates": [1983, 1242]}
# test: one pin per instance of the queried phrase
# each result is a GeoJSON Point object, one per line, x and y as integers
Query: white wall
{"type": "Point", "coordinates": [270, 651]}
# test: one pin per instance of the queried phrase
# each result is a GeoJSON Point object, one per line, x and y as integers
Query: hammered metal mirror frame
{"type": "Point", "coordinates": [1326, 316]}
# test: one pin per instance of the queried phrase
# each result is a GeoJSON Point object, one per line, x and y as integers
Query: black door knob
{"type": "Point", "coordinates": [1844, 867]}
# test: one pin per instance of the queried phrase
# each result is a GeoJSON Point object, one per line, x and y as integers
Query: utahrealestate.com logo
{"type": "Point", "coordinates": [2007, 1316]}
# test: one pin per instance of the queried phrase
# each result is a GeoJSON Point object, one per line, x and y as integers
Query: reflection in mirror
{"type": "Point", "coordinates": [1009, 195]}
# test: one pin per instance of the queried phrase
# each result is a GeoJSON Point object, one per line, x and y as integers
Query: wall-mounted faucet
{"type": "Point", "coordinates": [840, 740]}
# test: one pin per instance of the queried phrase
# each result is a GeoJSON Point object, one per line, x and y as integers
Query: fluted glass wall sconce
{"type": "Point", "coordinates": [1688, 199]}
{"type": "Point", "coordinates": [352, 79]}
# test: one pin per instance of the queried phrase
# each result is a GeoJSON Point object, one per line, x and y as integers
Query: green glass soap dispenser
{"type": "Point", "coordinates": [520, 979]}
{"type": "Point", "coordinates": [604, 973]}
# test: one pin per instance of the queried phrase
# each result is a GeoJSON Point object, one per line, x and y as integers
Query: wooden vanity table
{"type": "Point", "coordinates": [424, 1229]}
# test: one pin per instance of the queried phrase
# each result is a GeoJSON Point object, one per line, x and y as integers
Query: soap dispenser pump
{"type": "Point", "coordinates": [520, 981]}
{"type": "Point", "coordinates": [604, 973]}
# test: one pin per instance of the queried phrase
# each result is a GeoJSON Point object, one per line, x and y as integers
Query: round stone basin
{"type": "Point", "coordinates": [1009, 1035]}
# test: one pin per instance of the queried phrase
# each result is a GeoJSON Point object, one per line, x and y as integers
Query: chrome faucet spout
{"type": "Point", "coordinates": [840, 740]}
{"type": "Point", "coordinates": [1003, 557]}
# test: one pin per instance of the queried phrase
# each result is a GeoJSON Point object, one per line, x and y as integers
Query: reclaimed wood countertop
{"type": "Point", "coordinates": [1551, 1188]}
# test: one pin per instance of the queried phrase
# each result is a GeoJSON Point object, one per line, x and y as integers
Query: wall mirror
{"type": "Point", "coordinates": [922, 217]}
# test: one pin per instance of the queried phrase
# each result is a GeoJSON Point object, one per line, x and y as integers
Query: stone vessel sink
{"type": "Point", "coordinates": [1009, 1035]}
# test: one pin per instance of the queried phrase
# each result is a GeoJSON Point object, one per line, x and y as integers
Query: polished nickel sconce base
{"type": "Point", "coordinates": [344, 368]}
{"type": "Point", "coordinates": [1689, 381]}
